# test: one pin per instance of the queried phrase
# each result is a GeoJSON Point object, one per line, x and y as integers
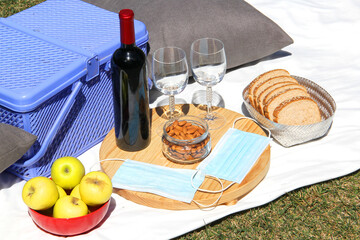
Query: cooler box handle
{"type": "Point", "coordinates": [54, 129]}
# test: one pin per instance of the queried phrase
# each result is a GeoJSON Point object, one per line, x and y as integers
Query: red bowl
{"type": "Point", "coordinates": [70, 226]}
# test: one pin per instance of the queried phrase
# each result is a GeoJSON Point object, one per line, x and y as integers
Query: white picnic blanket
{"type": "Point", "coordinates": [325, 50]}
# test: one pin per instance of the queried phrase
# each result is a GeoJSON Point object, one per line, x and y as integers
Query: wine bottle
{"type": "Point", "coordinates": [130, 89]}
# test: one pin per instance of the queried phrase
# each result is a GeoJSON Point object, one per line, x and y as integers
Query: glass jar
{"type": "Point", "coordinates": [186, 140]}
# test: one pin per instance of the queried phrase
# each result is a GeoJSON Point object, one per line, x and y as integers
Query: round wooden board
{"type": "Point", "coordinates": [152, 154]}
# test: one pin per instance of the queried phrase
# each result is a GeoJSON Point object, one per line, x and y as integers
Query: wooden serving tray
{"type": "Point", "coordinates": [153, 154]}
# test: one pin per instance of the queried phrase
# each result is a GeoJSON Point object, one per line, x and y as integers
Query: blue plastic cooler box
{"type": "Point", "coordinates": [55, 78]}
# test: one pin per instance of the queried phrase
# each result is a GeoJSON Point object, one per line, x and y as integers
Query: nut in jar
{"type": "Point", "coordinates": [186, 140]}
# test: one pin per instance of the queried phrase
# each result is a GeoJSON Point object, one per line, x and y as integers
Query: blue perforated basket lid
{"type": "Point", "coordinates": [79, 24]}
{"type": "Point", "coordinates": [46, 48]}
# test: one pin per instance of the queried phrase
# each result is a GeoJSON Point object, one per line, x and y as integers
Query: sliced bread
{"type": "Point", "coordinates": [269, 82]}
{"type": "Point", "coordinates": [297, 111]}
{"type": "Point", "coordinates": [263, 77]}
{"type": "Point", "coordinates": [280, 98]}
{"type": "Point", "coordinates": [277, 99]}
{"type": "Point", "coordinates": [276, 91]}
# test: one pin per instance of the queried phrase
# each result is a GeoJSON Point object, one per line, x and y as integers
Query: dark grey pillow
{"type": "Point", "coordinates": [247, 34]}
{"type": "Point", "coordinates": [14, 143]}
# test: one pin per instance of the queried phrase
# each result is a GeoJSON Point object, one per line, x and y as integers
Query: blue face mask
{"type": "Point", "coordinates": [231, 160]}
{"type": "Point", "coordinates": [174, 183]}
{"type": "Point", "coordinates": [234, 155]}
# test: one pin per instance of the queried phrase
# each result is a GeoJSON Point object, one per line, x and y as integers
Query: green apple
{"type": "Point", "coordinates": [61, 191]}
{"type": "Point", "coordinates": [69, 207]}
{"type": "Point", "coordinates": [75, 192]}
{"type": "Point", "coordinates": [40, 193]}
{"type": "Point", "coordinates": [67, 172]}
{"type": "Point", "coordinates": [95, 188]}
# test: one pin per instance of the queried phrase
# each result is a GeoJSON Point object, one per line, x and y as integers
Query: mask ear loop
{"type": "Point", "coordinates": [268, 131]}
{"type": "Point", "coordinates": [192, 183]}
{"type": "Point", "coordinates": [221, 191]}
{"type": "Point", "coordinates": [107, 159]}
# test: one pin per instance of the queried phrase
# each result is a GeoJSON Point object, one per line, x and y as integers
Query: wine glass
{"type": "Point", "coordinates": [170, 74]}
{"type": "Point", "coordinates": [208, 65]}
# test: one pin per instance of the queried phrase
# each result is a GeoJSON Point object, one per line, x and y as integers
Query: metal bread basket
{"type": "Point", "coordinates": [289, 135]}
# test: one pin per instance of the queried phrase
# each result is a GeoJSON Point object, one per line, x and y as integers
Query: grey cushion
{"type": "Point", "coordinates": [14, 143]}
{"type": "Point", "coordinates": [247, 34]}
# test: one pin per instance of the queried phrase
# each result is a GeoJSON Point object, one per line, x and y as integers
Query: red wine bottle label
{"type": "Point", "coordinates": [127, 31]}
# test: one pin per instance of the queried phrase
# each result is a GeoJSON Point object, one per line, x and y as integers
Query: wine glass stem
{"type": "Point", "coordinates": [172, 106]}
{"type": "Point", "coordinates": [209, 100]}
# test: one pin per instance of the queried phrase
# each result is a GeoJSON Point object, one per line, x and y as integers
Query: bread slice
{"type": "Point", "coordinates": [277, 99]}
{"type": "Point", "coordinates": [267, 83]}
{"type": "Point", "coordinates": [297, 111]}
{"type": "Point", "coordinates": [274, 91]}
{"type": "Point", "coordinates": [280, 98]}
{"type": "Point", "coordinates": [263, 77]}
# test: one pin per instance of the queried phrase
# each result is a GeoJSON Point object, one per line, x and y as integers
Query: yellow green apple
{"type": "Point", "coordinates": [69, 207]}
{"type": "Point", "coordinates": [67, 172]}
{"type": "Point", "coordinates": [95, 188]}
{"type": "Point", "coordinates": [75, 192]}
{"type": "Point", "coordinates": [61, 191]}
{"type": "Point", "coordinates": [40, 193]}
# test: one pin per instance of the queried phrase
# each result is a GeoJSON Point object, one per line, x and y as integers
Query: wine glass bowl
{"type": "Point", "coordinates": [170, 74]}
{"type": "Point", "coordinates": [208, 66]}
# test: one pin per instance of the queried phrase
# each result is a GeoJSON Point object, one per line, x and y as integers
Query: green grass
{"type": "Point", "coordinates": [329, 210]}
{"type": "Point", "coordinates": [9, 7]}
